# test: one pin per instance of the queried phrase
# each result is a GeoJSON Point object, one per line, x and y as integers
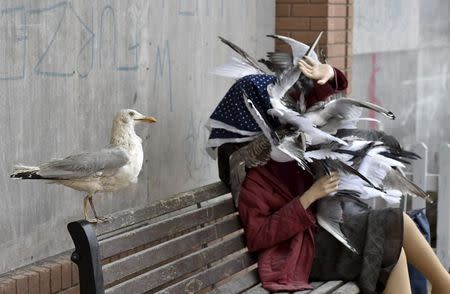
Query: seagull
{"type": "Point", "coordinates": [107, 170]}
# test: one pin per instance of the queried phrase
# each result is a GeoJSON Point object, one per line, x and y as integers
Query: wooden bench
{"type": "Point", "coordinates": [192, 242]}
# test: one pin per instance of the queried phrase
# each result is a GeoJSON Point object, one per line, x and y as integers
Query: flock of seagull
{"type": "Point", "coordinates": [322, 139]}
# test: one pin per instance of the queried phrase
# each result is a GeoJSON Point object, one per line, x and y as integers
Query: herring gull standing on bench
{"type": "Point", "coordinates": [107, 170]}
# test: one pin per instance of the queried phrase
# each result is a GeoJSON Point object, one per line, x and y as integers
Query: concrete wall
{"type": "Point", "coordinates": [67, 67]}
{"type": "Point", "coordinates": [401, 60]}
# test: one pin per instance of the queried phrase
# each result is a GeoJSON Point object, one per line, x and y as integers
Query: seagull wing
{"type": "Point", "coordinates": [364, 104]}
{"type": "Point", "coordinates": [90, 164]}
{"type": "Point", "coordinates": [236, 69]}
{"type": "Point", "coordinates": [299, 49]}
{"type": "Point", "coordinates": [278, 62]}
{"type": "Point", "coordinates": [283, 84]}
{"type": "Point", "coordinates": [396, 180]}
{"type": "Point", "coordinates": [250, 60]}
{"type": "Point", "coordinates": [254, 154]}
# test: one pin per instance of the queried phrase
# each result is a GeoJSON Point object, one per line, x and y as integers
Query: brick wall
{"type": "Point", "coordinates": [54, 275]}
{"type": "Point", "coordinates": [304, 19]}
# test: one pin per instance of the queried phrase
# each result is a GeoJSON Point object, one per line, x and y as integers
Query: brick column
{"type": "Point", "coordinates": [304, 19]}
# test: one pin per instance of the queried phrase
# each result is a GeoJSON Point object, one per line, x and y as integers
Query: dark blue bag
{"type": "Point", "coordinates": [416, 278]}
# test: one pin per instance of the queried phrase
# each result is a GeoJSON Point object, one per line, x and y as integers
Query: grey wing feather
{"type": "Point", "coordinates": [254, 154]}
{"type": "Point", "coordinates": [278, 62]}
{"type": "Point", "coordinates": [284, 82]}
{"type": "Point", "coordinates": [244, 54]}
{"type": "Point", "coordinates": [88, 164]}
{"type": "Point", "coordinates": [367, 105]}
{"type": "Point", "coordinates": [331, 210]}
{"type": "Point", "coordinates": [299, 49]}
{"type": "Point", "coordinates": [396, 180]}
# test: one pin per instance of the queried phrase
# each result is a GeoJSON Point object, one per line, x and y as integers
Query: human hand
{"type": "Point", "coordinates": [321, 188]}
{"type": "Point", "coordinates": [315, 70]}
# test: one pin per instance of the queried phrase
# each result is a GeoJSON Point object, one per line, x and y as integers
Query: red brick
{"type": "Point", "coordinates": [338, 62]}
{"type": "Point", "coordinates": [337, 10]}
{"type": "Point", "coordinates": [338, 1]}
{"type": "Point", "coordinates": [350, 23]}
{"type": "Point", "coordinates": [319, 24]}
{"type": "Point", "coordinates": [44, 279]}
{"type": "Point", "coordinates": [75, 280]}
{"type": "Point", "coordinates": [349, 50]}
{"type": "Point", "coordinates": [33, 282]}
{"type": "Point", "coordinates": [283, 9]}
{"type": "Point", "coordinates": [348, 62]}
{"type": "Point", "coordinates": [309, 10]}
{"type": "Point", "coordinates": [73, 290]}
{"type": "Point", "coordinates": [66, 272]}
{"type": "Point", "coordinates": [282, 47]}
{"type": "Point", "coordinates": [349, 37]}
{"type": "Point", "coordinates": [292, 23]}
{"type": "Point", "coordinates": [55, 276]}
{"type": "Point", "coordinates": [8, 286]}
{"type": "Point", "coordinates": [308, 37]}
{"type": "Point", "coordinates": [292, 1]}
{"type": "Point", "coordinates": [335, 23]}
{"type": "Point", "coordinates": [277, 32]}
{"type": "Point", "coordinates": [334, 50]}
{"type": "Point", "coordinates": [21, 284]}
{"type": "Point", "coordinates": [336, 37]}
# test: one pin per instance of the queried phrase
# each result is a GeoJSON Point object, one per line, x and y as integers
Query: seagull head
{"type": "Point", "coordinates": [130, 117]}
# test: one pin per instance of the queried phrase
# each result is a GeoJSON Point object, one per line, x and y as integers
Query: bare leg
{"type": "Point", "coordinates": [398, 281]}
{"type": "Point", "coordinates": [420, 254]}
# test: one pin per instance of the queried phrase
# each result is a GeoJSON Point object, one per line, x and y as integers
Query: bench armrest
{"type": "Point", "coordinates": [87, 257]}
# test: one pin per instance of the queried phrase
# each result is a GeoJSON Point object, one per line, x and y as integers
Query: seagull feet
{"type": "Point", "coordinates": [103, 219]}
{"type": "Point", "coordinates": [98, 220]}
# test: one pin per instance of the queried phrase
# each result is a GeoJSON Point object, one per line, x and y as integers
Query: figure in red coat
{"type": "Point", "coordinates": [277, 207]}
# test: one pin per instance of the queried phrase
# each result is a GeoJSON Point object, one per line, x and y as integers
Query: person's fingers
{"type": "Point", "coordinates": [306, 72]}
{"type": "Point", "coordinates": [310, 61]}
{"type": "Point", "coordinates": [333, 180]}
{"type": "Point", "coordinates": [331, 184]}
{"type": "Point", "coordinates": [306, 65]}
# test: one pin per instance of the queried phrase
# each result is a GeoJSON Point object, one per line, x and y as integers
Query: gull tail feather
{"type": "Point", "coordinates": [25, 172]}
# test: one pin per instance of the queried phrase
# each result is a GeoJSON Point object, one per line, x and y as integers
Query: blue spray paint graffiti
{"type": "Point", "coordinates": [108, 10]}
{"type": "Point", "coordinates": [159, 70]}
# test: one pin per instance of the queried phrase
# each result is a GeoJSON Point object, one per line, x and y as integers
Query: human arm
{"type": "Point", "coordinates": [268, 220]}
{"type": "Point", "coordinates": [327, 80]}
{"type": "Point", "coordinates": [321, 188]}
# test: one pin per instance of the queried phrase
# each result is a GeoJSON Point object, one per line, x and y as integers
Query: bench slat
{"type": "Point", "coordinates": [147, 258]}
{"type": "Point", "coordinates": [348, 288]}
{"type": "Point", "coordinates": [153, 232]}
{"type": "Point", "coordinates": [178, 268]}
{"type": "Point", "coordinates": [178, 201]}
{"type": "Point", "coordinates": [211, 276]}
{"type": "Point", "coordinates": [313, 284]}
{"type": "Point", "coordinates": [238, 284]}
{"type": "Point", "coordinates": [327, 287]}
{"type": "Point", "coordinates": [258, 289]}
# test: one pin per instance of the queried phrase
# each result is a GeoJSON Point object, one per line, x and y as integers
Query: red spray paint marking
{"type": "Point", "coordinates": [373, 89]}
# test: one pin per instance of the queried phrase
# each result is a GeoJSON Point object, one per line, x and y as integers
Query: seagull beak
{"type": "Point", "coordinates": [149, 119]}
